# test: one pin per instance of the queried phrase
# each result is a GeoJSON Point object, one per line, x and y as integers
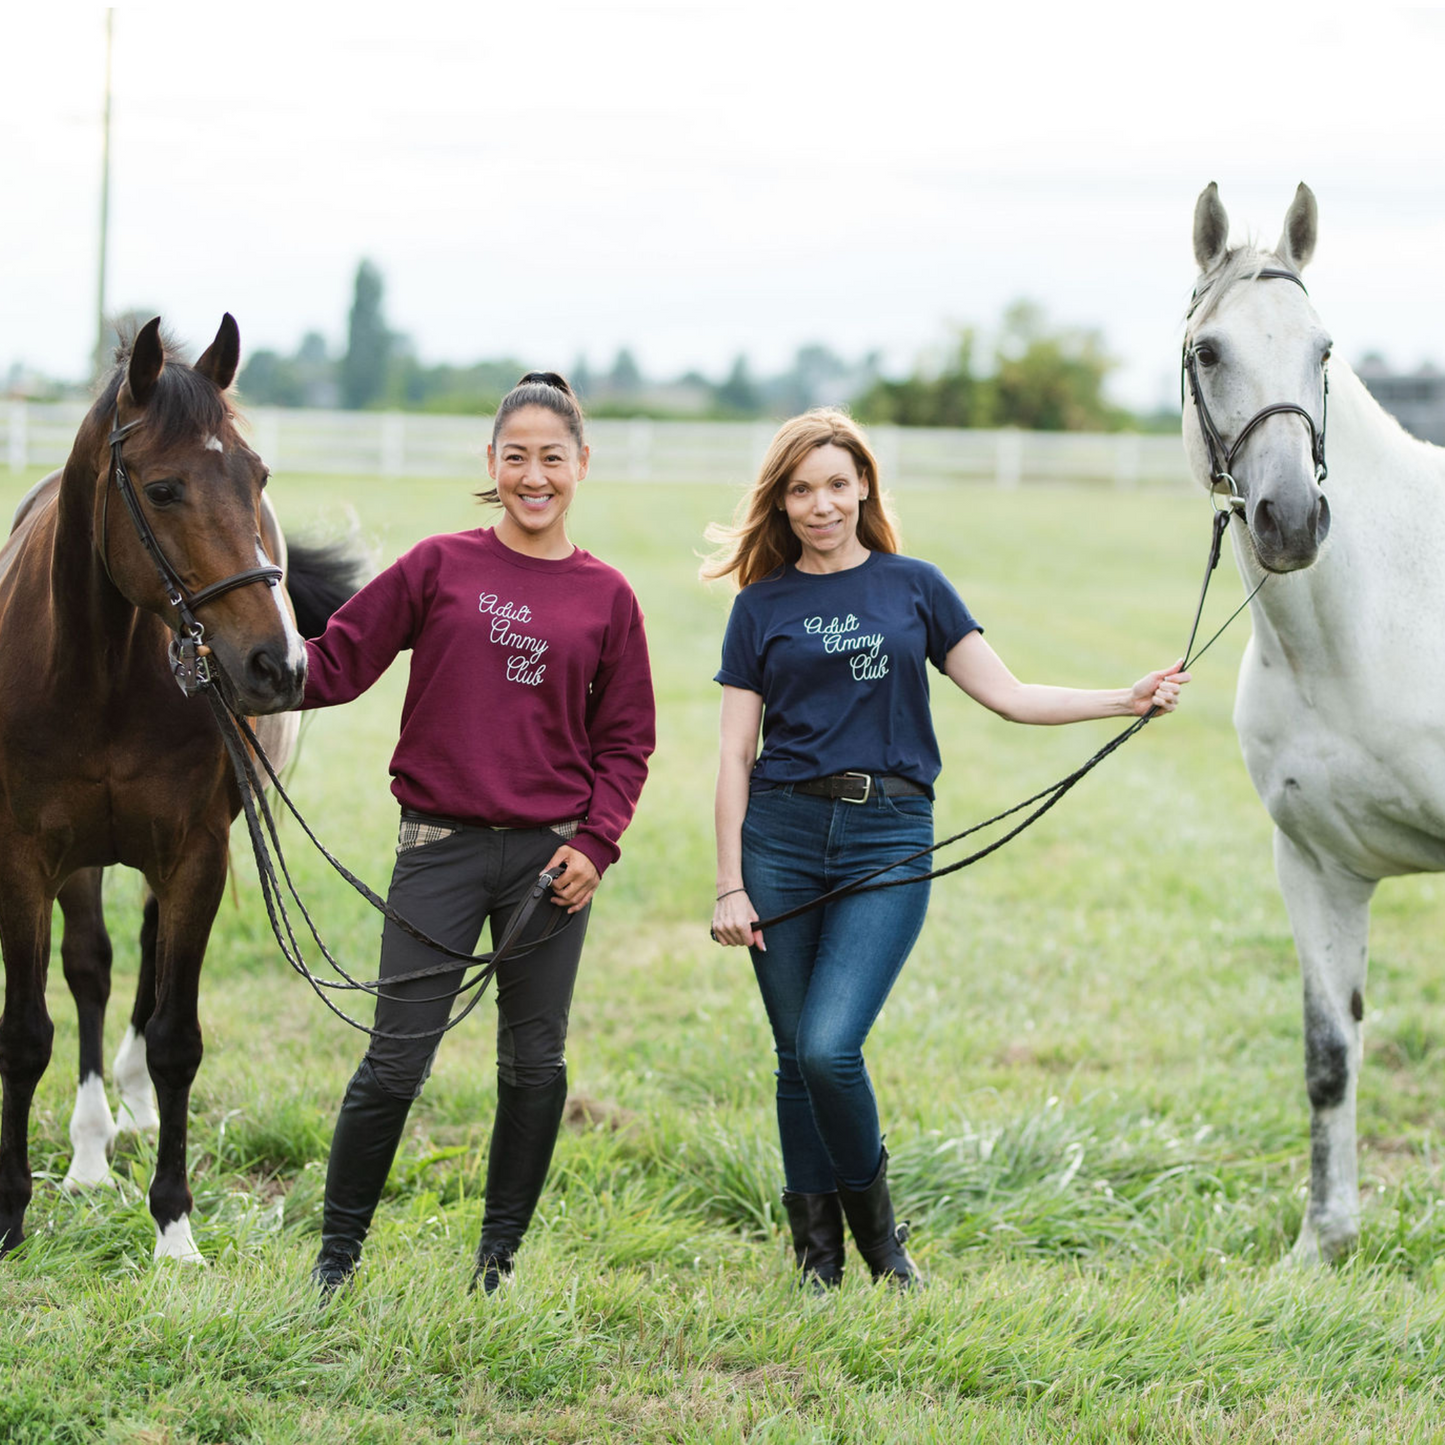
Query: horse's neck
{"type": "Point", "coordinates": [85, 601]}
{"type": "Point", "coordinates": [1387, 501]}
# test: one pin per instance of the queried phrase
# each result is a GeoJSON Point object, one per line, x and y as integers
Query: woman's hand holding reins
{"type": "Point", "coordinates": [732, 921]}
{"type": "Point", "coordinates": [1158, 690]}
{"type": "Point", "coordinates": [574, 889]}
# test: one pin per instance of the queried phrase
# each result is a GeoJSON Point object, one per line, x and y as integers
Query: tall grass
{"type": "Point", "coordinates": [1090, 1072]}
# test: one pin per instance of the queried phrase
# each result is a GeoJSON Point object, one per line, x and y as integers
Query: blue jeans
{"type": "Point", "coordinates": [826, 975]}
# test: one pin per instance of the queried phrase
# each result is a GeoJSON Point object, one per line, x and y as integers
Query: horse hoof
{"type": "Point", "coordinates": [139, 1117]}
{"type": "Point", "coordinates": [80, 1179]}
{"type": "Point", "coordinates": [175, 1242]}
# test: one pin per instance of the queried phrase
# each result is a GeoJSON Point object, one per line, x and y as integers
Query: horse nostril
{"type": "Point", "coordinates": [1322, 520]}
{"type": "Point", "coordinates": [1264, 526]}
{"type": "Point", "coordinates": [265, 668]}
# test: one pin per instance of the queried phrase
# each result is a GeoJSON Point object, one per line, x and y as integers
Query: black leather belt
{"type": "Point", "coordinates": [859, 787]}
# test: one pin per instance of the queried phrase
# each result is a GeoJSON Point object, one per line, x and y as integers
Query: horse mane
{"type": "Point", "coordinates": [1244, 263]}
{"type": "Point", "coordinates": [184, 404]}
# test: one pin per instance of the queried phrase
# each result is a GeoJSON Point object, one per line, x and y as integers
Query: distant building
{"type": "Point", "coordinates": [1416, 400]}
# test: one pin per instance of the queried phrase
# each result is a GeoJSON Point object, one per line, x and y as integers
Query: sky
{"type": "Point", "coordinates": [699, 180]}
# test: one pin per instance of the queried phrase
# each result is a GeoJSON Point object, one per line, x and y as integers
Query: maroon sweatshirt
{"type": "Point", "coordinates": [530, 698]}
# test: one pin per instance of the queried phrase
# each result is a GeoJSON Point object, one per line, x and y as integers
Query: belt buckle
{"type": "Point", "coordinates": [867, 788]}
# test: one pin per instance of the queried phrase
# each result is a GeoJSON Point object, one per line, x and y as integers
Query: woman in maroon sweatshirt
{"type": "Point", "coordinates": [524, 741]}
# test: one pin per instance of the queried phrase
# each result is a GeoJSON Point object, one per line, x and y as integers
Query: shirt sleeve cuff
{"type": "Point", "coordinates": [598, 851]}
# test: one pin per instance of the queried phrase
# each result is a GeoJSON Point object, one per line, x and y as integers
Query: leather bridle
{"type": "Point", "coordinates": [1222, 453]}
{"type": "Point", "coordinates": [192, 671]}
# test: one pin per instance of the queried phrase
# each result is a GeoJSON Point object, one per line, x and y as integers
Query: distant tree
{"type": "Point", "coordinates": [1052, 380]}
{"type": "Point", "coordinates": [738, 394]}
{"type": "Point", "coordinates": [368, 343]}
{"type": "Point", "coordinates": [625, 378]}
{"type": "Point", "coordinates": [270, 379]}
{"type": "Point", "coordinates": [955, 396]}
{"type": "Point", "coordinates": [581, 379]}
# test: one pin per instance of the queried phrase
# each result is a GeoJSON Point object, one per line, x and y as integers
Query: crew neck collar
{"type": "Point", "coordinates": [510, 555]}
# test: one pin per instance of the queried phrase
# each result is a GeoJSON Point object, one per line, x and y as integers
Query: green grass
{"type": "Point", "coordinates": [1090, 1072]}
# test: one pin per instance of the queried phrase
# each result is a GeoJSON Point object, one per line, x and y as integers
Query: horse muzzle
{"type": "Point", "coordinates": [1288, 531]}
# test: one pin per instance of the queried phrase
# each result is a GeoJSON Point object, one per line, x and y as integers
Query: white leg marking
{"type": "Point", "coordinates": [175, 1242]}
{"type": "Point", "coordinates": [137, 1109]}
{"type": "Point", "coordinates": [91, 1130]}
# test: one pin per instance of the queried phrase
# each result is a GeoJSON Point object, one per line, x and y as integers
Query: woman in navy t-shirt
{"type": "Point", "coordinates": [827, 652]}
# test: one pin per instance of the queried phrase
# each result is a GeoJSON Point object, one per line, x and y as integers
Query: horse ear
{"type": "Point", "coordinates": [220, 359]}
{"type": "Point", "coordinates": [147, 360]}
{"type": "Point", "coordinates": [1301, 228]}
{"type": "Point", "coordinates": [1211, 229]}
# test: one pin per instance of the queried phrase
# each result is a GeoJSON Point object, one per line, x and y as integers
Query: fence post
{"type": "Point", "coordinates": [393, 444]}
{"type": "Point", "coordinates": [1128, 454]}
{"type": "Point", "coordinates": [18, 439]}
{"type": "Point", "coordinates": [888, 450]}
{"type": "Point", "coordinates": [1009, 459]}
{"type": "Point", "coordinates": [267, 422]}
{"type": "Point", "coordinates": [639, 449]}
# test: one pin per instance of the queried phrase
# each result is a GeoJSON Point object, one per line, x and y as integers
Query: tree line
{"type": "Point", "coordinates": [1034, 375]}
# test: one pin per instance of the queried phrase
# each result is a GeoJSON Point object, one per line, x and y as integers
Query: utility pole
{"type": "Point", "coordinates": [100, 357]}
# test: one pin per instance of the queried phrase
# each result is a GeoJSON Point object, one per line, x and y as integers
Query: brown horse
{"type": "Point", "coordinates": [104, 760]}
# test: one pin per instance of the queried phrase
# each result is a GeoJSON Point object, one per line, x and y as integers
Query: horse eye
{"type": "Point", "coordinates": [1206, 355]}
{"type": "Point", "coordinates": [163, 494]}
{"type": "Point", "coordinates": [1325, 359]}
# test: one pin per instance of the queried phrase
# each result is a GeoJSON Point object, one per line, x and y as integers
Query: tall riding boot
{"type": "Point", "coordinates": [368, 1129]}
{"type": "Point", "coordinates": [817, 1224]}
{"type": "Point", "coordinates": [517, 1162]}
{"type": "Point", "coordinates": [879, 1240]}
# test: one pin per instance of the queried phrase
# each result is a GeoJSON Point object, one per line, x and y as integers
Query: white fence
{"type": "Point", "coordinates": [415, 444]}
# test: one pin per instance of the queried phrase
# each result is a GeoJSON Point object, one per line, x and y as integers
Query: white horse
{"type": "Point", "coordinates": [1341, 702]}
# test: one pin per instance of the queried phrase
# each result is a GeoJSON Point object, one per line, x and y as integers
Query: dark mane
{"type": "Point", "coordinates": [184, 404]}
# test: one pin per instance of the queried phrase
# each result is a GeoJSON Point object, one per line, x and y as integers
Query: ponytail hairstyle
{"type": "Point", "coordinates": [546, 389]}
{"type": "Point", "coordinates": [761, 539]}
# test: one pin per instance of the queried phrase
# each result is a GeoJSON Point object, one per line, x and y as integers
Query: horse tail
{"type": "Point", "coordinates": [319, 578]}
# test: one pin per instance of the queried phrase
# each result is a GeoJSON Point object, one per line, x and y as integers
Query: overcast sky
{"type": "Point", "coordinates": [695, 180]}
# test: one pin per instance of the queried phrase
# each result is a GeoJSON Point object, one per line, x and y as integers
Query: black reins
{"type": "Point", "coordinates": [194, 675]}
{"type": "Point", "coordinates": [1047, 797]}
{"type": "Point", "coordinates": [1221, 453]}
{"type": "Point", "coordinates": [192, 671]}
{"type": "Point", "coordinates": [1221, 461]}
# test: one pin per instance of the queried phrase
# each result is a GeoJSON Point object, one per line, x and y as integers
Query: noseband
{"type": "Point", "coordinates": [192, 671]}
{"type": "Point", "coordinates": [1221, 454]}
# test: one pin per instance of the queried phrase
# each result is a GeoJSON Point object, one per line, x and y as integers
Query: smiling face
{"type": "Point", "coordinates": [821, 497]}
{"type": "Point", "coordinates": [536, 464]}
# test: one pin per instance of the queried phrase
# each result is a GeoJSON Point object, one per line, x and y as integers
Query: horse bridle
{"type": "Point", "coordinates": [1221, 453]}
{"type": "Point", "coordinates": [192, 671]}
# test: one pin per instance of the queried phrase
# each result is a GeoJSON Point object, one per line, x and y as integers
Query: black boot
{"type": "Point", "coordinates": [521, 1150]}
{"type": "Point", "coordinates": [879, 1240]}
{"type": "Point", "coordinates": [817, 1224]}
{"type": "Point", "coordinates": [368, 1129]}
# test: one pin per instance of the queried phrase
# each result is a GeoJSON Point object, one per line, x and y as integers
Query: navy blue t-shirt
{"type": "Point", "coordinates": [839, 661]}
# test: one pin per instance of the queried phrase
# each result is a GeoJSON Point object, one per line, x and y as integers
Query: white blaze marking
{"type": "Point", "coordinates": [295, 647]}
{"type": "Point", "coordinates": [175, 1242]}
{"type": "Point", "coordinates": [91, 1130]}
{"type": "Point", "coordinates": [213, 444]}
{"type": "Point", "coordinates": [137, 1109]}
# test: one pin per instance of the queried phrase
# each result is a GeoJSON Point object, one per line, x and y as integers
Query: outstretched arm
{"type": "Point", "coordinates": [976, 668]}
{"type": "Point", "coordinates": [733, 915]}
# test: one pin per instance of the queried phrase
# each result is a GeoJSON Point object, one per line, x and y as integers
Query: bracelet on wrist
{"type": "Point", "coordinates": [730, 893]}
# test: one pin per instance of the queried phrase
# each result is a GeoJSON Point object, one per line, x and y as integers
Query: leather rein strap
{"type": "Point", "coordinates": [194, 675]}
{"type": "Point", "coordinates": [192, 672]}
{"type": "Point", "coordinates": [1221, 453]}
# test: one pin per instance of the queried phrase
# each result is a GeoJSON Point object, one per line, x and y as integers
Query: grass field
{"type": "Point", "coordinates": [1090, 1073]}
